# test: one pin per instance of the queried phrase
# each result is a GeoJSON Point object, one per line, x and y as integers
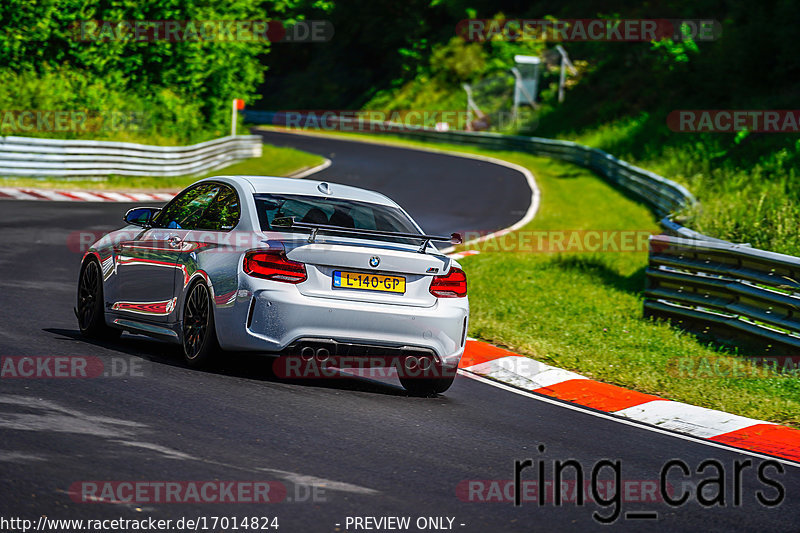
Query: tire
{"type": "Point", "coordinates": [89, 306]}
{"type": "Point", "coordinates": [427, 386]}
{"type": "Point", "coordinates": [199, 338]}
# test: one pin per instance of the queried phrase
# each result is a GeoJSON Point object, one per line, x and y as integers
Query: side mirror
{"type": "Point", "coordinates": [456, 238]}
{"type": "Point", "coordinates": [141, 216]}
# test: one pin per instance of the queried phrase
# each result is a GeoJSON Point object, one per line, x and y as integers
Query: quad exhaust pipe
{"type": "Point", "coordinates": [307, 353]}
{"type": "Point", "coordinates": [321, 354]}
{"type": "Point", "coordinates": [413, 363]}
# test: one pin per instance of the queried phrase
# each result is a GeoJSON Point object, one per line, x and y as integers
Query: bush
{"type": "Point", "coordinates": [184, 88]}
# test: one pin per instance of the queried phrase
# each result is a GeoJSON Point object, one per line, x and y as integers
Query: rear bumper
{"type": "Point", "coordinates": [270, 316]}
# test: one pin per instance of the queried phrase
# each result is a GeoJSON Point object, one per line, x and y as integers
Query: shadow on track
{"type": "Point", "coordinates": [256, 367]}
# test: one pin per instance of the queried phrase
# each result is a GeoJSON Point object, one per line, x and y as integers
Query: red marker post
{"type": "Point", "coordinates": [236, 106]}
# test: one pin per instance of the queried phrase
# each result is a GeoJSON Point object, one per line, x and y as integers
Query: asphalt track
{"type": "Point", "coordinates": [368, 448]}
{"type": "Point", "coordinates": [443, 193]}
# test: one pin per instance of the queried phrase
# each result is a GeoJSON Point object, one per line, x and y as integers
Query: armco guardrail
{"type": "Point", "coordinates": [26, 156]}
{"type": "Point", "coordinates": [730, 286]}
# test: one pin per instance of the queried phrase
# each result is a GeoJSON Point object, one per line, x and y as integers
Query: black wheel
{"type": "Point", "coordinates": [417, 386]}
{"type": "Point", "coordinates": [91, 316]}
{"type": "Point", "coordinates": [199, 336]}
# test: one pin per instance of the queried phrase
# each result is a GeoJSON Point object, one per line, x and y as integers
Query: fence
{"type": "Point", "coordinates": [695, 280]}
{"type": "Point", "coordinates": [26, 156]}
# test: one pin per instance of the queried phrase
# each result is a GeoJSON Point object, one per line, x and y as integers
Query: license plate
{"type": "Point", "coordinates": [369, 282]}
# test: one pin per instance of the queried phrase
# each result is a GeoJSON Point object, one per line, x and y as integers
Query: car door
{"type": "Point", "coordinates": [149, 265]}
{"type": "Point", "coordinates": [211, 246]}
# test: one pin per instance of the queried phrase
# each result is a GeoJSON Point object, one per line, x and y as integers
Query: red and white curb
{"type": "Point", "coordinates": [14, 193]}
{"type": "Point", "coordinates": [530, 375]}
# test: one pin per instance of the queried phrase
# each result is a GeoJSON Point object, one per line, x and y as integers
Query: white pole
{"type": "Point", "coordinates": [565, 62]}
{"type": "Point", "coordinates": [517, 90]}
{"type": "Point", "coordinates": [468, 90]}
{"type": "Point", "coordinates": [233, 117]}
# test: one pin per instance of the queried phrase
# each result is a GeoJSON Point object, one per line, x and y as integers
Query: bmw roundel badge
{"type": "Point", "coordinates": [374, 261]}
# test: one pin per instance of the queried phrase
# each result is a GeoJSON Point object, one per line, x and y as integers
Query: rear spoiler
{"type": "Point", "coordinates": [290, 222]}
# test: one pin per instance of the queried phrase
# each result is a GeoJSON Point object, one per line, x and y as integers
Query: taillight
{"type": "Point", "coordinates": [274, 265]}
{"type": "Point", "coordinates": [453, 285]}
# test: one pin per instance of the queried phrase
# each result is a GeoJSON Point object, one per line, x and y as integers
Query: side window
{"type": "Point", "coordinates": [185, 211]}
{"type": "Point", "coordinates": [223, 211]}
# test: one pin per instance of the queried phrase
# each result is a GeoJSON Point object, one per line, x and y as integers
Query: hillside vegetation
{"type": "Point", "coordinates": [619, 101]}
{"type": "Point", "coordinates": [83, 57]}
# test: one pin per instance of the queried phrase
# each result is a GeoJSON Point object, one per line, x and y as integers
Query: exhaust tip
{"type": "Point", "coordinates": [322, 354]}
{"type": "Point", "coordinates": [307, 353]}
{"type": "Point", "coordinates": [411, 362]}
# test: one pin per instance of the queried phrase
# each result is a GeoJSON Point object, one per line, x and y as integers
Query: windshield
{"type": "Point", "coordinates": [332, 212]}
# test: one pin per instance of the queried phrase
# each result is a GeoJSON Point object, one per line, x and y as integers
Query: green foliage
{"type": "Point", "coordinates": [458, 61]}
{"type": "Point", "coordinates": [672, 53]}
{"type": "Point", "coordinates": [190, 81]}
{"type": "Point", "coordinates": [103, 109]}
{"type": "Point", "coordinates": [438, 82]}
{"type": "Point", "coordinates": [747, 184]}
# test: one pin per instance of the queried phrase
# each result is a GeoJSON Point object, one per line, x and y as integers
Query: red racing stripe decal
{"type": "Point", "coordinates": [597, 395]}
{"type": "Point", "coordinates": [146, 308]}
{"type": "Point", "coordinates": [767, 438]}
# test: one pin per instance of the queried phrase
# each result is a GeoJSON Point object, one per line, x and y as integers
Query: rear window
{"type": "Point", "coordinates": [331, 212]}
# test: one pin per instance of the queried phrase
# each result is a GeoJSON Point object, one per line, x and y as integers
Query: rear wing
{"type": "Point", "coordinates": [290, 222]}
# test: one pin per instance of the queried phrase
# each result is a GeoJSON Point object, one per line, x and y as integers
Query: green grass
{"type": "Point", "coordinates": [747, 185]}
{"type": "Point", "coordinates": [583, 311]}
{"type": "Point", "coordinates": [274, 161]}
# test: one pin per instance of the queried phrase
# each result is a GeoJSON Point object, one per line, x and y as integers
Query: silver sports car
{"type": "Point", "coordinates": [306, 269]}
